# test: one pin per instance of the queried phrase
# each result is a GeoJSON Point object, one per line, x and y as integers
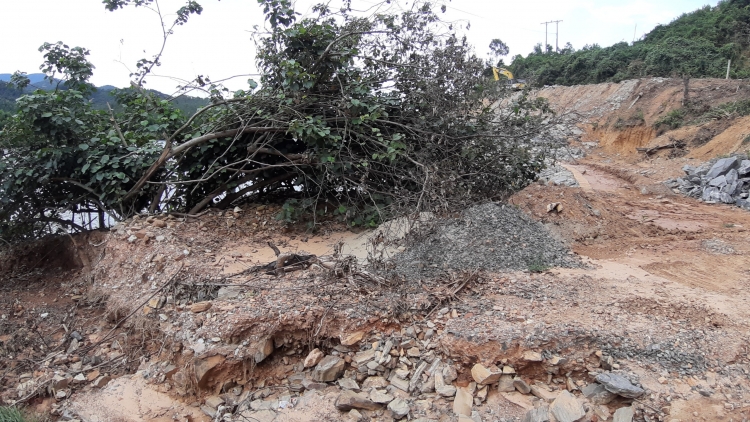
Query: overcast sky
{"type": "Point", "coordinates": [218, 43]}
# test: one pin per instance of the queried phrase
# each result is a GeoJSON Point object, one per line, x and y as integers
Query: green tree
{"type": "Point", "coordinates": [364, 116]}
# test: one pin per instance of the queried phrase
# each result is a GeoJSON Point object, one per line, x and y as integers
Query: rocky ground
{"type": "Point", "coordinates": [606, 297]}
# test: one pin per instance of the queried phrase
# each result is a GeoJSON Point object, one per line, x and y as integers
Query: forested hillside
{"type": "Point", "coordinates": [99, 98]}
{"type": "Point", "coordinates": [696, 44]}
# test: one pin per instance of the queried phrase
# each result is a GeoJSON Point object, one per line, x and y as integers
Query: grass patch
{"type": "Point", "coordinates": [538, 266]}
{"type": "Point", "coordinates": [12, 414]}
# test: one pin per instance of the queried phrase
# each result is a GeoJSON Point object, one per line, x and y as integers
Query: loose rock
{"type": "Point", "coordinates": [566, 408]}
{"type": "Point", "coordinates": [328, 369]}
{"type": "Point", "coordinates": [619, 385]}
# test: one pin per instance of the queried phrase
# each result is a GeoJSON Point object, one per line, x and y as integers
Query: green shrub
{"type": "Point", "coordinates": [673, 120]}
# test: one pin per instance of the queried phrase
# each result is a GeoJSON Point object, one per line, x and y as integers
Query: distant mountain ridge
{"type": "Point", "coordinates": [100, 98]}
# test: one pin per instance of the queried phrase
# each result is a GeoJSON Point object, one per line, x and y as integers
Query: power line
{"type": "Point", "coordinates": [557, 30]}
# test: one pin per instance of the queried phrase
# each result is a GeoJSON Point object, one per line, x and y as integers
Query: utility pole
{"type": "Point", "coordinates": [545, 34]}
{"type": "Point", "coordinates": [557, 33]}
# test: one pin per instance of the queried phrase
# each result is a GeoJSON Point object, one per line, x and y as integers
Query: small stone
{"type": "Point", "coordinates": [619, 385]}
{"type": "Point", "coordinates": [313, 358]}
{"type": "Point", "coordinates": [483, 375]}
{"type": "Point", "coordinates": [92, 375]}
{"type": "Point", "coordinates": [363, 357]}
{"type": "Point", "coordinates": [566, 408]}
{"type": "Point", "coordinates": [101, 382]}
{"type": "Point", "coordinates": [73, 346]}
{"type": "Point", "coordinates": [349, 400]}
{"type": "Point", "coordinates": [348, 384]}
{"type": "Point", "coordinates": [463, 402]}
{"type": "Point", "coordinates": [354, 415]}
{"type": "Point", "coordinates": [374, 382]}
{"type": "Point", "coordinates": [537, 414]}
{"type": "Point", "coordinates": [200, 307]}
{"type": "Point", "coordinates": [328, 369]}
{"type": "Point", "coordinates": [263, 350]}
{"type": "Point", "coordinates": [506, 384]}
{"type": "Point", "coordinates": [597, 394]}
{"type": "Point", "coordinates": [508, 370]}
{"type": "Point", "coordinates": [543, 393]}
{"type": "Point", "coordinates": [353, 338]}
{"type": "Point", "coordinates": [413, 352]}
{"type": "Point", "coordinates": [400, 383]}
{"type": "Point", "coordinates": [61, 394]}
{"type": "Point", "coordinates": [530, 356]}
{"type": "Point", "coordinates": [312, 385]}
{"type": "Point", "coordinates": [623, 414]}
{"type": "Point", "coordinates": [214, 401]}
{"type": "Point", "coordinates": [399, 407]}
{"type": "Point", "coordinates": [378, 396]}
{"type": "Point", "coordinates": [521, 385]}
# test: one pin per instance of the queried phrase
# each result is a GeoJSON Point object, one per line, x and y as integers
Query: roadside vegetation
{"type": "Point", "coordinates": [697, 44]}
{"type": "Point", "coordinates": [360, 116]}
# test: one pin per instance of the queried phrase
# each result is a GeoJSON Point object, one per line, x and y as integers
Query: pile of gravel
{"type": "Point", "coordinates": [489, 237]}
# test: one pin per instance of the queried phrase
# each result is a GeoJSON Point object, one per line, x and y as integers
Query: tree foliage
{"type": "Point", "coordinates": [366, 116]}
{"type": "Point", "coordinates": [696, 44]}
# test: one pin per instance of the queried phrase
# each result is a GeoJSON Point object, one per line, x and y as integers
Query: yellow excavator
{"type": "Point", "coordinates": [513, 83]}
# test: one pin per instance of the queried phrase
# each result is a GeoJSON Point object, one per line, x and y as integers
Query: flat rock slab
{"type": "Point", "coordinates": [537, 414]}
{"type": "Point", "coordinates": [566, 408]}
{"type": "Point", "coordinates": [349, 400]}
{"type": "Point", "coordinates": [619, 385]}
{"type": "Point", "coordinates": [623, 414]}
{"type": "Point", "coordinates": [597, 394]}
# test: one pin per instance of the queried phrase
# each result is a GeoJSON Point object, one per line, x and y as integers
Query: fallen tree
{"type": "Point", "coordinates": [363, 116]}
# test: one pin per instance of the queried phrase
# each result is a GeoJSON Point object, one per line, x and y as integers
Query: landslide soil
{"type": "Point", "coordinates": [665, 289]}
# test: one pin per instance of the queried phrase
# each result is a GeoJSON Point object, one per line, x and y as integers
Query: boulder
{"type": "Point", "coordinates": [718, 181]}
{"type": "Point", "coordinates": [349, 400]}
{"type": "Point", "coordinates": [566, 408]}
{"type": "Point", "coordinates": [328, 369]}
{"type": "Point", "coordinates": [619, 385]}
{"type": "Point", "coordinates": [721, 167]}
{"type": "Point", "coordinates": [744, 168]}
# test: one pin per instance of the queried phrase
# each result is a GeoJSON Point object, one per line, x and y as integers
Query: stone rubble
{"type": "Point", "coordinates": [726, 180]}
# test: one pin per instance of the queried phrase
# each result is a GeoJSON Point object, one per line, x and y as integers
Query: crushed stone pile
{"type": "Point", "coordinates": [490, 236]}
{"type": "Point", "coordinates": [726, 180]}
